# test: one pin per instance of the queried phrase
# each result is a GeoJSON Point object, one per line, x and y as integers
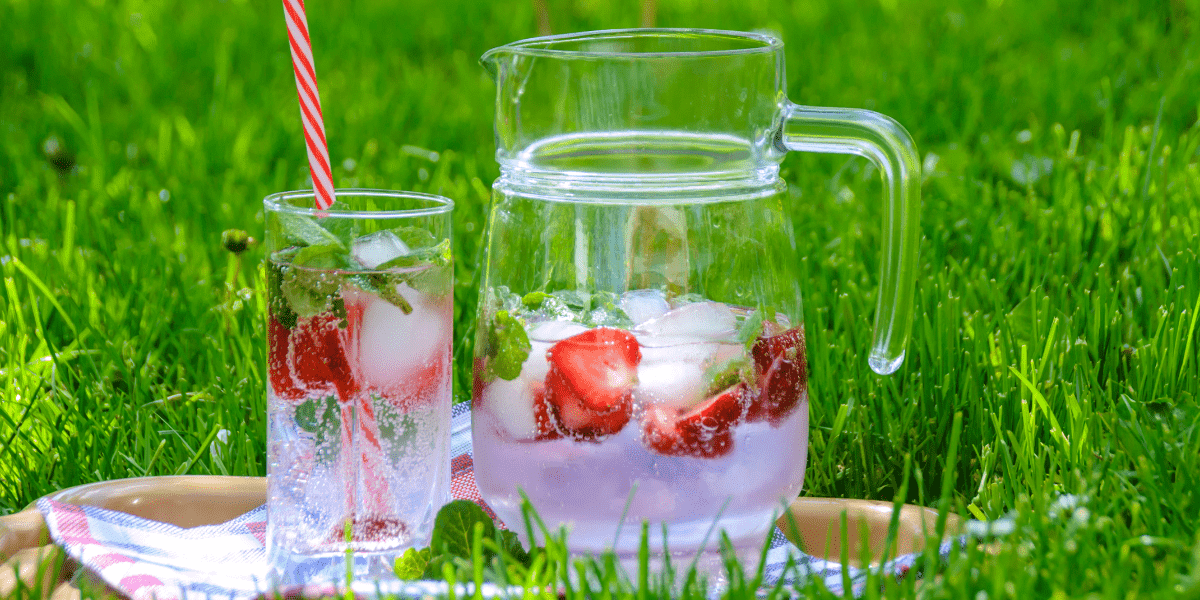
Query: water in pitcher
{"type": "Point", "coordinates": [643, 395]}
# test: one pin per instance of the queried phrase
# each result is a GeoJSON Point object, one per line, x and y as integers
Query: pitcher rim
{"type": "Point", "coordinates": [540, 46]}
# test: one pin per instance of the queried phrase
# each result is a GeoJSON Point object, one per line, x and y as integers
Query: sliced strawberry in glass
{"type": "Point", "coordinates": [589, 386]}
{"type": "Point", "coordinates": [282, 383]}
{"type": "Point", "coordinates": [703, 431]}
{"type": "Point", "coordinates": [423, 383]}
{"type": "Point", "coordinates": [782, 370]}
{"type": "Point", "coordinates": [318, 357]}
{"type": "Point", "coordinates": [478, 373]}
{"type": "Point", "coordinates": [547, 428]}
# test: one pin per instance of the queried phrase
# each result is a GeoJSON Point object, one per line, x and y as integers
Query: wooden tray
{"type": "Point", "coordinates": [194, 500]}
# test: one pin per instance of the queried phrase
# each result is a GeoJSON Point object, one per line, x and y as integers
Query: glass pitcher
{"type": "Point", "coordinates": [641, 351]}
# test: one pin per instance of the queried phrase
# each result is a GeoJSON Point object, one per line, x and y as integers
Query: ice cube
{"type": "Point", "coordinates": [511, 403]}
{"type": "Point", "coordinates": [643, 305]}
{"type": "Point", "coordinates": [675, 383]}
{"type": "Point", "coordinates": [541, 338]}
{"type": "Point", "coordinates": [710, 321]}
{"type": "Point", "coordinates": [377, 248]}
{"type": "Point", "coordinates": [673, 373]}
{"type": "Point", "coordinates": [395, 347]}
{"type": "Point", "coordinates": [554, 331]}
{"type": "Point", "coordinates": [536, 367]}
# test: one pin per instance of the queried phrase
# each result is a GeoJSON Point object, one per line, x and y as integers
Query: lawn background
{"type": "Point", "coordinates": [1057, 297]}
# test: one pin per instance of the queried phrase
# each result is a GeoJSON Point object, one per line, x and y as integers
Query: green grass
{"type": "Point", "coordinates": [1057, 299]}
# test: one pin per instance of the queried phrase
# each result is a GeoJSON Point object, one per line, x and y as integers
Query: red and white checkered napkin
{"type": "Point", "coordinates": [146, 559]}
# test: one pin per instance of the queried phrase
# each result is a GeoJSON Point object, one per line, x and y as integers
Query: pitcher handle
{"type": "Point", "coordinates": [888, 146]}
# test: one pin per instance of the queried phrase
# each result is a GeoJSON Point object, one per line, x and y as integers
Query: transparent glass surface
{"type": "Point", "coordinates": [360, 315]}
{"type": "Point", "coordinates": [641, 352]}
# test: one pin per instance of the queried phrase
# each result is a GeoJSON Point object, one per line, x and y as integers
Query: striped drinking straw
{"type": "Point", "coordinates": [360, 431]}
{"type": "Point", "coordinates": [310, 102]}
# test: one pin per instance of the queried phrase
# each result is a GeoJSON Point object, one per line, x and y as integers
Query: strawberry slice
{"type": "Point", "coordinates": [547, 429]}
{"type": "Point", "coordinates": [703, 431]}
{"type": "Point", "coordinates": [478, 374]}
{"type": "Point", "coordinates": [782, 370]}
{"type": "Point", "coordinates": [590, 382]}
{"type": "Point", "coordinates": [318, 359]}
{"type": "Point", "coordinates": [426, 385]}
{"type": "Point", "coordinates": [282, 383]}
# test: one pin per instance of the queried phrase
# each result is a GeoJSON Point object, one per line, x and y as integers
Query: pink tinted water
{"type": "Point", "coordinates": [595, 488]}
{"type": "Point", "coordinates": [379, 459]}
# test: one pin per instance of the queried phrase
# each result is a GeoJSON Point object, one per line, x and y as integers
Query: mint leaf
{"type": "Point", "coordinates": [500, 298]}
{"type": "Point", "coordinates": [411, 565]}
{"type": "Point", "coordinates": [306, 283]}
{"type": "Point", "coordinates": [678, 300]}
{"type": "Point", "coordinates": [725, 374]}
{"type": "Point", "coordinates": [301, 230]}
{"type": "Point", "coordinates": [278, 305]}
{"type": "Point", "coordinates": [433, 570]}
{"type": "Point", "coordinates": [428, 270]}
{"type": "Point", "coordinates": [534, 300]}
{"type": "Point", "coordinates": [324, 256]}
{"type": "Point", "coordinates": [384, 285]}
{"type": "Point", "coordinates": [453, 527]}
{"type": "Point", "coordinates": [453, 535]}
{"type": "Point", "coordinates": [576, 301]}
{"type": "Point", "coordinates": [509, 345]}
{"type": "Point", "coordinates": [342, 229]}
{"type": "Point", "coordinates": [339, 311]}
{"type": "Point", "coordinates": [329, 417]}
{"type": "Point", "coordinates": [599, 309]}
{"type": "Point", "coordinates": [307, 291]}
{"type": "Point", "coordinates": [751, 328]}
{"type": "Point", "coordinates": [322, 418]}
{"type": "Point", "coordinates": [511, 545]}
{"type": "Point", "coordinates": [606, 312]}
{"type": "Point", "coordinates": [416, 237]}
{"type": "Point", "coordinates": [437, 280]}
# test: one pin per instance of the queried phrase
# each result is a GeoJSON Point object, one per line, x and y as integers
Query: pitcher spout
{"type": "Point", "coordinates": [491, 59]}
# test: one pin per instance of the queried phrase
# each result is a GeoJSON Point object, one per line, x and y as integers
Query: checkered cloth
{"type": "Point", "coordinates": [146, 559]}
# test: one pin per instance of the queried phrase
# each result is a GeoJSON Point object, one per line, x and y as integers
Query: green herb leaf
{"type": "Point", "coordinates": [722, 375]}
{"type": "Point", "coordinates": [301, 230]}
{"type": "Point", "coordinates": [510, 543]}
{"type": "Point", "coordinates": [384, 285]}
{"type": "Point", "coordinates": [322, 418]}
{"type": "Point", "coordinates": [578, 302]}
{"type": "Point", "coordinates": [436, 280]}
{"type": "Point", "coordinates": [325, 256]}
{"type": "Point", "coordinates": [606, 312]}
{"type": "Point", "coordinates": [417, 238]}
{"type": "Point", "coordinates": [280, 308]}
{"type": "Point", "coordinates": [434, 569]}
{"type": "Point", "coordinates": [509, 345]}
{"type": "Point", "coordinates": [306, 283]}
{"type": "Point", "coordinates": [341, 229]}
{"type": "Point", "coordinates": [314, 415]}
{"type": "Point", "coordinates": [452, 528]}
{"type": "Point", "coordinates": [751, 328]}
{"type": "Point", "coordinates": [428, 270]}
{"type": "Point", "coordinates": [411, 565]}
{"type": "Point", "coordinates": [307, 291]}
{"type": "Point", "coordinates": [534, 300]}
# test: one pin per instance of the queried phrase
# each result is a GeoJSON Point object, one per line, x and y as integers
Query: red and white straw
{"type": "Point", "coordinates": [310, 102]}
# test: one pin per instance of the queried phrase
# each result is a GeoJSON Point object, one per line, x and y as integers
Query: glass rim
{"type": "Point", "coordinates": [543, 45]}
{"type": "Point", "coordinates": [279, 202]}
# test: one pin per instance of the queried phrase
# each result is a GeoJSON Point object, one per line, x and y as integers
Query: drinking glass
{"type": "Point", "coordinates": [359, 332]}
